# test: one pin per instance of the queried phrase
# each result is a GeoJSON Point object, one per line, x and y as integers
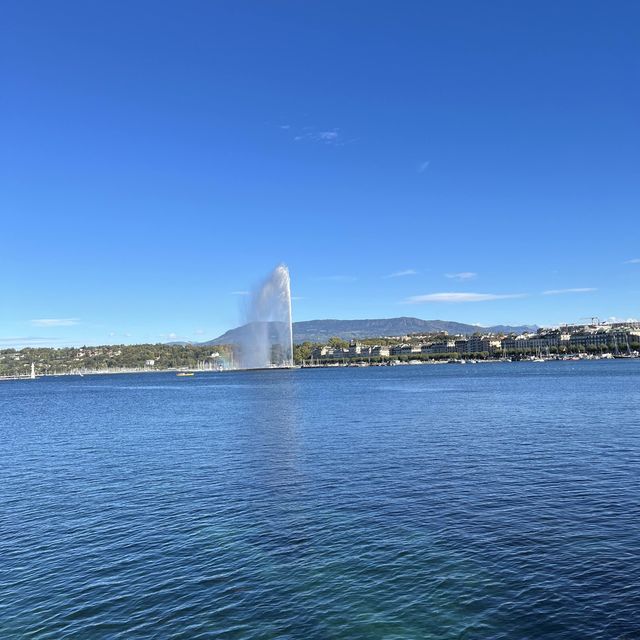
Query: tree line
{"type": "Point", "coordinates": [15, 362]}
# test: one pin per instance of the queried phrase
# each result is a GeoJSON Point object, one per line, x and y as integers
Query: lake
{"type": "Point", "coordinates": [497, 500]}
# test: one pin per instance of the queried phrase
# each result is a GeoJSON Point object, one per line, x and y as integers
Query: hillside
{"type": "Point", "coordinates": [322, 330]}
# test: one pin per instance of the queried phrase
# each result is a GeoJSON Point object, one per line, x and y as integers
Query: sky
{"type": "Point", "coordinates": [477, 162]}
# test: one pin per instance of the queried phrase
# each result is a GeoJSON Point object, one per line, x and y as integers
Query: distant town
{"type": "Point", "coordinates": [618, 339]}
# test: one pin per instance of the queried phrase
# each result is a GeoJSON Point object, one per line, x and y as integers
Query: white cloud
{"type": "Point", "coordinates": [423, 166]}
{"type": "Point", "coordinates": [55, 322]}
{"type": "Point", "coordinates": [463, 275]}
{"type": "Point", "coordinates": [400, 274]}
{"type": "Point", "coordinates": [633, 261]}
{"type": "Point", "coordinates": [557, 292]}
{"type": "Point", "coordinates": [462, 297]}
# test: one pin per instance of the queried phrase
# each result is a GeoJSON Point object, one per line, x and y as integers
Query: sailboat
{"type": "Point", "coordinates": [538, 357]}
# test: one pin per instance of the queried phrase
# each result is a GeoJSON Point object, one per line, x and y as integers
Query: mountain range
{"type": "Point", "coordinates": [322, 330]}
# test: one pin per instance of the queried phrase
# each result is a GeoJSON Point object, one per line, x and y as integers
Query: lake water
{"type": "Point", "coordinates": [481, 501]}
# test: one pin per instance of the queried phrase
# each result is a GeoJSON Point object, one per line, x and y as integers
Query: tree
{"type": "Point", "coordinates": [302, 351]}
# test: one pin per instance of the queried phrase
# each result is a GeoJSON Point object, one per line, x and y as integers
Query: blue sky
{"type": "Point", "coordinates": [440, 160]}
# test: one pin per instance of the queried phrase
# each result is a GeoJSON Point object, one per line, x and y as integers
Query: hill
{"type": "Point", "coordinates": [322, 330]}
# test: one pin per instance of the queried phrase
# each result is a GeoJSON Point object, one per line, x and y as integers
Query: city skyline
{"type": "Point", "coordinates": [474, 164]}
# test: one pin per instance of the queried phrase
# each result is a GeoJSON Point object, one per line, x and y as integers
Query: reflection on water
{"type": "Point", "coordinates": [270, 419]}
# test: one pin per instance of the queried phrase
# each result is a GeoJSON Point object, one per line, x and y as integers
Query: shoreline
{"type": "Point", "coordinates": [325, 365]}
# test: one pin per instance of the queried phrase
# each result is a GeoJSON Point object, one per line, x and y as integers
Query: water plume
{"type": "Point", "coordinates": [267, 339]}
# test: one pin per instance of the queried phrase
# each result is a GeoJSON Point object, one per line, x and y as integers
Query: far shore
{"type": "Point", "coordinates": [328, 365]}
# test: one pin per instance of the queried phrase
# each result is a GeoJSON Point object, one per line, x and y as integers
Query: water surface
{"type": "Point", "coordinates": [481, 501]}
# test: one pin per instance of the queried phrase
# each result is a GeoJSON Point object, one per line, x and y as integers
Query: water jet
{"type": "Point", "coordinates": [267, 341]}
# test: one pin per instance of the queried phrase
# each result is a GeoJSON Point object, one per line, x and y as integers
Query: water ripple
{"type": "Point", "coordinates": [493, 503]}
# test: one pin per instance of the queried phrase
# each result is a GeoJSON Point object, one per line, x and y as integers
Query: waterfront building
{"type": "Point", "coordinates": [355, 349]}
{"type": "Point", "coordinates": [529, 343]}
{"type": "Point", "coordinates": [396, 349]}
{"type": "Point", "coordinates": [479, 344]}
{"type": "Point", "coordinates": [446, 346]}
{"type": "Point", "coordinates": [405, 350]}
{"type": "Point", "coordinates": [323, 351]}
{"type": "Point", "coordinates": [604, 339]}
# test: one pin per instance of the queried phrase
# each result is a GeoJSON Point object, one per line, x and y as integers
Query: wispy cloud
{"type": "Point", "coordinates": [55, 322]}
{"type": "Point", "coordinates": [115, 334]}
{"type": "Point", "coordinates": [401, 274]}
{"type": "Point", "coordinates": [27, 341]}
{"type": "Point", "coordinates": [328, 136]}
{"type": "Point", "coordinates": [557, 292]}
{"type": "Point", "coordinates": [173, 336]}
{"type": "Point", "coordinates": [633, 261]}
{"type": "Point", "coordinates": [338, 278]}
{"type": "Point", "coordinates": [462, 297]}
{"type": "Point", "coordinates": [240, 293]}
{"type": "Point", "coordinates": [423, 166]}
{"type": "Point", "coordinates": [332, 136]}
{"type": "Point", "coordinates": [463, 275]}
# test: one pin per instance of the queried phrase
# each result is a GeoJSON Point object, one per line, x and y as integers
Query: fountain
{"type": "Point", "coordinates": [267, 339]}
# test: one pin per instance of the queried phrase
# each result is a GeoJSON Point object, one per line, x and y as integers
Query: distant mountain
{"type": "Point", "coordinates": [247, 332]}
{"type": "Point", "coordinates": [322, 330]}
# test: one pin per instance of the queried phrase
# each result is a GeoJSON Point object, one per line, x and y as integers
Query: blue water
{"type": "Point", "coordinates": [493, 501]}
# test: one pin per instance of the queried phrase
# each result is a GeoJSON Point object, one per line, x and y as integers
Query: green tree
{"type": "Point", "coordinates": [302, 351]}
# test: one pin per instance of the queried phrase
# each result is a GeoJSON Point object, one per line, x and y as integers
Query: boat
{"type": "Point", "coordinates": [185, 374]}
